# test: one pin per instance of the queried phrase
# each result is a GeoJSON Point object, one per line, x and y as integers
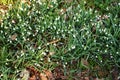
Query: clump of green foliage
{"type": "Point", "coordinates": [7, 2]}
{"type": "Point", "coordinates": [30, 32]}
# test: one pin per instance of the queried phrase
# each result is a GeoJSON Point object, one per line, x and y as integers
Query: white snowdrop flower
{"type": "Point", "coordinates": [1, 75]}
{"type": "Point", "coordinates": [1, 31]}
{"type": "Point", "coordinates": [73, 47]}
{"type": "Point", "coordinates": [107, 45]}
{"type": "Point", "coordinates": [77, 20]}
{"type": "Point", "coordinates": [33, 34]}
{"type": "Point", "coordinates": [55, 23]}
{"type": "Point", "coordinates": [57, 62]}
{"type": "Point", "coordinates": [96, 56]}
{"type": "Point", "coordinates": [77, 14]}
{"type": "Point", "coordinates": [10, 41]}
{"type": "Point", "coordinates": [22, 54]}
{"type": "Point", "coordinates": [119, 4]}
{"type": "Point", "coordinates": [2, 11]}
{"type": "Point", "coordinates": [25, 9]}
{"type": "Point", "coordinates": [5, 33]}
{"type": "Point", "coordinates": [109, 34]}
{"type": "Point", "coordinates": [62, 58]}
{"type": "Point", "coordinates": [10, 6]}
{"type": "Point", "coordinates": [22, 34]}
{"type": "Point", "coordinates": [69, 8]}
{"type": "Point", "coordinates": [54, 38]}
{"type": "Point", "coordinates": [98, 50]}
{"type": "Point", "coordinates": [16, 39]}
{"type": "Point", "coordinates": [62, 31]}
{"type": "Point", "coordinates": [43, 53]}
{"type": "Point", "coordinates": [74, 18]}
{"type": "Point", "coordinates": [37, 30]}
{"type": "Point", "coordinates": [18, 78]}
{"type": "Point", "coordinates": [86, 13]}
{"type": "Point", "coordinates": [107, 38]}
{"type": "Point", "coordinates": [117, 52]}
{"type": "Point", "coordinates": [33, 50]}
{"type": "Point", "coordinates": [111, 56]}
{"type": "Point", "coordinates": [41, 59]}
{"type": "Point", "coordinates": [54, 1]}
{"type": "Point", "coordinates": [17, 71]}
{"type": "Point", "coordinates": [64, 66]}
{"type": "Point", "coordinates": [58, 29]}
{"type": "Point", "coordinates": [84, 2]}
{"type": "Point", "coordinates": [36, 64]}
{"type": "Point", "coordinates": [55, 44]}
{"type": "Point", "coordinates": [90, 11]}
{"type": "Point", "coordinates": [96, 11]}
{"type": "Point", "coordinates": [14, 29]}
{"type": "Point", "coordinates": [69, 49]}
{"type": "Point", "coordinates": [20, 19]}
{"type": "Point", "coordinates": [85, 48]}
{"type": "Point", "coordinates": [18, 56]}
{"type": "Point", "coordinates": [39, 47]}
{"type": "Point", "coordinates": [104, 37]}
{"type": "Point", "coordinates": [105, 51]}
{"type": "Point", "coordinates": [1, 24]}
{"type": "Point", "coordinates": [42, 30]}
{"type": "Point", "coordinates": [104, 30]}
{"type": "Point", "coordinates": [7, 60]}
{"type": "Point", "coordinates": [6, 27]}
{"type": "Point", "coordinates": [10, 25]}
{"type": "Point", "coordinates": [13, 21]}
{"type": "Point", "coordinates": [49, 59]}
{"type": "Point", "coordinates": [33, 5]}
{"type": "Point", "coordinates": [74, 35]}
{"type": "Point", "coordinates": [82, 45]}
{"type": "Point", "coordinates": [7, 14]}
{"type": "Point", "coordinates": [28, 13]}
{"type": "Point", "coordinates": [39, 2]}
{"type": "Point", "coordinates": [57, 19]}
{"type": "Point", "coordinates": [101, 61]}
{"type": "Point", "coordinates": [87, 32]}
{"type": "Point", "coordinates": [63, 35]}
{"type": "Point", "coordinates": [62, 11]}
{"type": "Point", "coordinates": [54, 27]}
{"type": "Point", "coordinates": [30, 28]}
{"type": "Point", "coordinates": [57, 32]}
{"type": "Point", "coordinates": [28, 33]}
{"type": "Point", "coordinates": [48, 44]}
{"type": "Point", "coordinates": [39, 12]}
{"type": "Point", "coordinates": [69, 32]}
{"type": "Point", "coordinates": [24, 23]}
{"type": "Point", "coordinates": [107, 8]}
{"type": "Point", "coordinates": [24, 38]}
{"type": "Point", "coordinates": [6, 63]}
{"type": "Point", "coordinates": [18, 15]}
{"type": "Point", "coordinates": [95, 41]}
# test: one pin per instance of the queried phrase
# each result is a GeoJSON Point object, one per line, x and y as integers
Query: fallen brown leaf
{"type": "Point", "coordinates": [14, 36]}
{"type": "Point", "coordinates": [84, 63]}
{"type": "Point", "coordinates": [43, 76]}
{"type": "Point", "coordinates": [24, 74]}
{"type": "Point", "coordinates": [49, 74]}
{"type": "Point", "coordinates": [54, 41]}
